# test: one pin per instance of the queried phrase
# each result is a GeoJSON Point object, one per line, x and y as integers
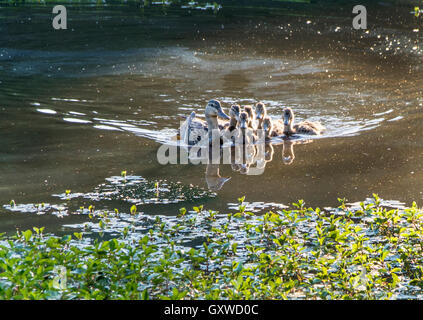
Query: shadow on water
{"type": "Point", "coordinates": [82, 105]}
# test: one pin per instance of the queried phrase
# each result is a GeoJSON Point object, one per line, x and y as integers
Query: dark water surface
{"type": "Point", "coordinates": [78, 106]}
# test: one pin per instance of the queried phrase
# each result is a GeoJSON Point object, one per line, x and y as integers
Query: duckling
{"type": "Point", "coordinates": [305, 127]}
{"type": "Point", "coordinates": [252, 117]}
{"type": "Point", "coordinates": [245, 133]}
{"type": "Point", "coordinates": [267, 127]}
{"type": "Point", "coordinates": [234, 112]}
{"type": "Point", "coordinates": [230, 127]}
{"type": "Point", "coordinates": [194, 130]}
{"type": "Point", "coordinates": [245, 148]}
{"type": "Point", "coordinates": [261, 113]}
{"type": "Point", "coordinates": [271, 128]}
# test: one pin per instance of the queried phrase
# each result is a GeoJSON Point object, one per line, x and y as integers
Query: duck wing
{"type": "Point", "coordinates": [192, 129]}
{"type": "Point", "coordinates": [185, 128]}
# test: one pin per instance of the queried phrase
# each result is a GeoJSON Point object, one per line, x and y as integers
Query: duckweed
{"type": "Point", "coordinates": [365, 251]}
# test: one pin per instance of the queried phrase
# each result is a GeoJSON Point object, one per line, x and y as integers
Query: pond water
{"type": "Point", "coordinates": [79, 106]}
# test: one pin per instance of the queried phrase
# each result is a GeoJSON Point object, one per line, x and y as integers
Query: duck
{"type": "Point", "coordinates": [252, 117]}
{"type": "Point", "coordinates": [271, 128]}
{"type": "Point", "coordinates": [261, 113]}
{"type": "Point", "coordinates": [234, 112]}
{"type": "Point", "coordinates": [245, 148]}
{"type": "Point", "coordinates": [305, 127]}
{"type": "Point", "coordinates": [231, 126]}
{"type": "Point", "coordinates": [246, 134]}
{"type": "Point", "coordinates": [193, 130]}
{"type": "Point", "coordinates": [267, 127]}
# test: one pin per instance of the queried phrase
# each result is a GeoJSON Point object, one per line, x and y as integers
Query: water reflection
{"type": "Point", "coordinates": [248, 159]}
{"type": "Point", "coordinates": [214, 181]}
{"type": "Point", "coordinates": [288, 154]}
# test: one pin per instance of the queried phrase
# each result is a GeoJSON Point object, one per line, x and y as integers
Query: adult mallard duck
{"type": "Point", "coordinates": [305, 127]}
{"type": "Point", "coordinates": [194, 130]}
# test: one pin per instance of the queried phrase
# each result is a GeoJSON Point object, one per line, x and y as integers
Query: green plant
{"type": "Point", "coordinates": [289, 254]}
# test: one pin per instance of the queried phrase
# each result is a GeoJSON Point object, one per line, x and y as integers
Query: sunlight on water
{"type": "Point", "coordinates": [47, 111]}
{"type": "Point", "coordinates": [75, 120]}
{"type": "Point", "coordinates": [127, 97]}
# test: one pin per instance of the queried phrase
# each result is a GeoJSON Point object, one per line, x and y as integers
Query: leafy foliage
{"type": "Point", "coordinates": [367, 252]}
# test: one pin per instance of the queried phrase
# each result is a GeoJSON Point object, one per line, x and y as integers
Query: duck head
{"type": "Point", "coordinates": [261, 111]}
{"type": "Point", "coordinates": [214, 109]}
{"type": "Point", "coordinates": [267, 126]}
{"type": "Point", "coordinates": [244, 120]}
{"type": "Point", "coordinates": [251, 114]}
{"type": "Point", "coordinates": [288, 120]}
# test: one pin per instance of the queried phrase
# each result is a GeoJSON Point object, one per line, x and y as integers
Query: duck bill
{"type": "Point", "coordinates": [223, 115]}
